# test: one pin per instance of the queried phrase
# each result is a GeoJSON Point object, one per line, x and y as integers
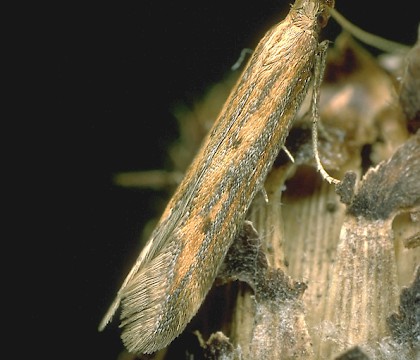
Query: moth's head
{"type": "Point", "coordinates": [311, 14]}
{"type": "Point", "coordinates": [324, 12]}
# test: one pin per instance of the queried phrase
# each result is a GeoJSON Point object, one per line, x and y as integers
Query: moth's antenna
{"type": "Point", "coordinates": [368, 38]}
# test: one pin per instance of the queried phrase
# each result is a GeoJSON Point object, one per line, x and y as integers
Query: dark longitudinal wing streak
{"type": "Point", "coordinates": [161, 236]}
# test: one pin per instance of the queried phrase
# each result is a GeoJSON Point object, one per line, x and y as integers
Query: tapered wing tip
{"type": "Point", "coordinates": [109, 314]}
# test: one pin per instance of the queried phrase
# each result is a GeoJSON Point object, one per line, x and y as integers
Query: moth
{"type": "Point", "coordinates": [178, 265]}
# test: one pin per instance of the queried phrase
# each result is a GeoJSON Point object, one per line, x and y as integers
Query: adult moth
{"type": "Point", "coordinates": [179, 263]}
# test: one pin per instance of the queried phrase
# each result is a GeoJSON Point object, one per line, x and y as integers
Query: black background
{"type": "Point", "coordinates": [97, 87]}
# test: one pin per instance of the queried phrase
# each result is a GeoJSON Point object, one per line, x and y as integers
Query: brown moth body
{"type": "Point", "coordinates": [178, 265]}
